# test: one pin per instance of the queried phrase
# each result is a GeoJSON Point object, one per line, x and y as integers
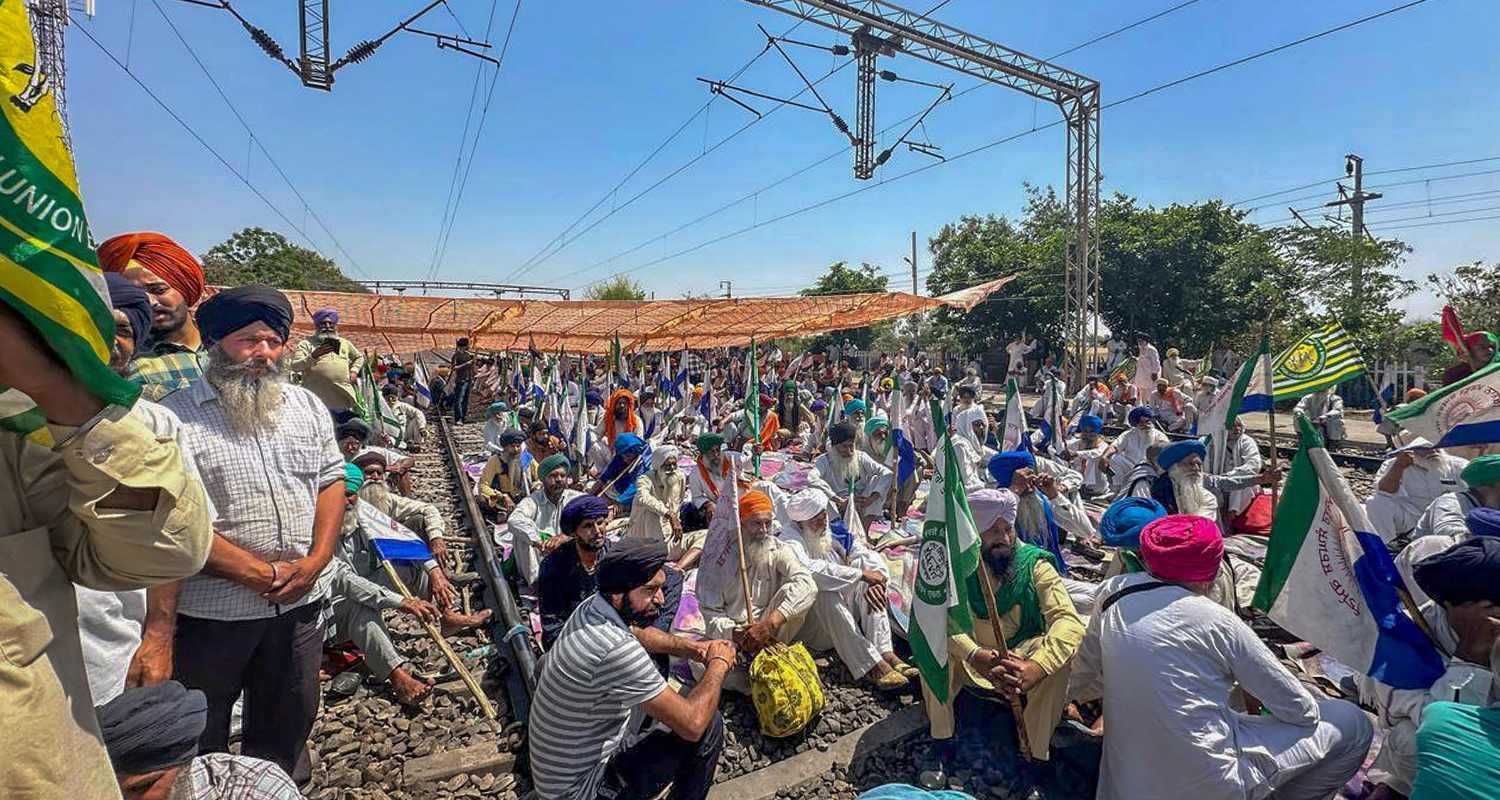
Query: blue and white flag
{"type": "Point", "coordinates": [390, 539]}
{"type": "Point", "coordinates": [1462, 413]}
{"type": "Point", "coordinates": [1329, 578]}
{"type": "Point", "coordinates": [1246, 392]}
{"type": "Point", "coordinates": [1386, 400]}
{"type": "Point", "coordinates": [420, 383]}
{"type": "Point", "coordinates": [906, 455]}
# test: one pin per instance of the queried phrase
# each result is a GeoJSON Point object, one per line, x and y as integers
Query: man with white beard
{"type": "Point", "coordinates": [425, 579]}
{"type": "Point", "coordinates": [1129, 448]}
{"type": "Point", "coordinates": [782, 589]}
{"type": "Point", "coordinates": [1407, 483]}
{"type": "Point", "coordinates": [1234, 481]}
{"type": "Point", "coordinates": [1180, 488]}
{"type": "Point", "coordinates": [251, 621]}
{"type": "Point", "coordinates": [853, 475]}
{"type": "Point", "coordinates": [849, 613]}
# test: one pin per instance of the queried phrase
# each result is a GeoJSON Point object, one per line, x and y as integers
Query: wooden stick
{"type": "Point", "coordinates": [739, 535]}
{"type": "Point", "coordinates": [598, 490]}
{"type": "Point", "coordinates": [1271, 416]}
{"type": "Point", "coordinates": [1016, 709]}
{"type": "Point", "coordinates": [437, 636]}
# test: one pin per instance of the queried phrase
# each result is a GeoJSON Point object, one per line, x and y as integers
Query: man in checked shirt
{"type": "Point", "coordinates": [251, 622]}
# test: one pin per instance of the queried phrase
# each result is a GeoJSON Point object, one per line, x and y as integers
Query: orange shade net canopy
{"type": "Point", "coordinates": [400, 324]}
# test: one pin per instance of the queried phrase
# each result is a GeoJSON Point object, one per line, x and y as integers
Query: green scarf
{"type": "Point", "coordinates": [1019, 590]}
{"type": "Point", "coordinates": [1131, 561]}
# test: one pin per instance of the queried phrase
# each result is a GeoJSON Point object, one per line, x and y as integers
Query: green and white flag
{"type": "Point", "coordinates": [1330, 580]}
{"type": "Point", "coordinates": [752, 405]}
{"type": "Point", "coordinates": [947, 561]}
{"type": "Point", "coordinates": [49, 273]}
{"type": "Point", "coordinates": [1321, 359]}
{"type": "Point", "coordinates": [1014, 435]}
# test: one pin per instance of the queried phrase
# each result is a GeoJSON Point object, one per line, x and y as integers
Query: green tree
{"type": "Point", "coordinates": [844, 279]}
{"type": "Point", "coordinates": [1474, 292]}
{"type": "Point", "coordinates": [1347, 280]}
{"type": "Point", "coordinates": [620, 287]}
{"type": "Point", "coordinates": [259, 256]}
{"type": "Point", "coordinates": [977, 249]}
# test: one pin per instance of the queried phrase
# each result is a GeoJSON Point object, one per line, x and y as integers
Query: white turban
{"type": "Point", "coordinates": [989, 505]}
{"type": "Point", "coordinates": [806, 504]}
{"type": "Point", "coordinates": [662, 456]}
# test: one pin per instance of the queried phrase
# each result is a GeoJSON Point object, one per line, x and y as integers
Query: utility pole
{"type": "Point", "coordinates": [1354, 167]}
{"type": "Point", "coordinates": [913, 262]}
{"type": "Point", "coordinates": [727, 286]}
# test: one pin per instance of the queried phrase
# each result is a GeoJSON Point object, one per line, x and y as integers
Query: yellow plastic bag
{"type": "Point", "coordinates": [785, 688]}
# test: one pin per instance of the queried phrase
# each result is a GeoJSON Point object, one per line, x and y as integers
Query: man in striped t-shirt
{"type": "Point", "coordinates": [598, 684]}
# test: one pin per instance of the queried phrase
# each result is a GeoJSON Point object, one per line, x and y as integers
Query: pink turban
{"type": "Point", "coordinates": [989, 505]}
{"type": "Point", "coordinates": [1183, 548]}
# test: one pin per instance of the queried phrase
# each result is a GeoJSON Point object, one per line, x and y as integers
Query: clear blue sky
{"type": "Point", "coordinates": [588, 88]}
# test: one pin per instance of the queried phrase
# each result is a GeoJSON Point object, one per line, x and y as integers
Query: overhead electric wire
{"type": "Point", "coordinates": [256, 139]}
{"type": "Point", "coordinates": [1345, 177]}
{"type": "Point", "coordinates": [478, 134]}
{"type": "Point", "coordinates": [845, 149]}
{"type": "Point", "coordinates": [463, 139]}
{"type": "Point", "coordinates": [1006, 139]}
{"type": "Point", "coordinates": [533, 260]}
{"type": "Point", "coordinates": [563, 240]}
{"type": "Point", "coordinates": [199, 138]}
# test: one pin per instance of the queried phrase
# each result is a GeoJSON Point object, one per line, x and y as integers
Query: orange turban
{"type": "Point", "coordinates": [754, 502]}
{"type": "Point", "coordinates": [1414, 394]}
{"type": "Point", "coordinates": [163, 257]}
{"type": "Point", "coordinates": [610, 431]}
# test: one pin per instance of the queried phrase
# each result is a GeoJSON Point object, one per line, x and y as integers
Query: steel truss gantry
{"type": "Point", "coordinates": [1076, 96]}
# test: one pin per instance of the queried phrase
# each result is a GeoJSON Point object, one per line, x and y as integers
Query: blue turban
{"type": "Point", "coordinates": [1139, 413]}
{"type": "Point", "coordinates": [134, 303]}
{"type": "Point", "coordinates": [817, 406]}
{"type": "Point", "coordinates": [1122, 522]}
{"type": "Point", "coordinates": [1004, 465]}
{"type": "Point", "coordinates": [1091, 423]}
{"type": "Point", "coordinates": [581, 508]}
{"type": "Point", "coordinates": [628, 444]}
{"type": "Point", "coordinates": [854, 407]}
{"type": "Point", "coordinates": [1177, 451]}
{"type": "Point", "coordinates": [1484, 521]}
{"type": "Point", "coordinates": [1464, 573]}
{"type": "Point", "coordinates": [593, 397]}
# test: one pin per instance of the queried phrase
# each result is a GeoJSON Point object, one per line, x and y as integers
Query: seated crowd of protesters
{"type": "Point", "coordinates": [214, 539]}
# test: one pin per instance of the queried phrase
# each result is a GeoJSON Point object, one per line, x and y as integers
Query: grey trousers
{"type": "Point", "coordinates": [365, 627]}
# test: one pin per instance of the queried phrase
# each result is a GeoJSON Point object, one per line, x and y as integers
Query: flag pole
{"type": "Point", "coordinates": [1016, 708]}
{"type": "Point", "coordinates": [447, 650]}
{"type": "Point", "coordinates": [1263, 355]}
{"type": "Point", "coordinates": [739, 535]}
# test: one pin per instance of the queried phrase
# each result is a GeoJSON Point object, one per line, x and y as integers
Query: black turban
{"type": "Point", "coordinates": [134, 303]}
{"type": "Point", "coordinates": [232, 309]}
{"type": "Point", "coordinates": [1464, 573]}
{"type": "Point", "coordinates": [355, 427]}
{"type": "Point", "coordinates": [581, 508]}
{"type": "Point", "coordinates": [153, 727]}
{"type": "Point", "coordinates": [841, 433]}
{"type": "Point", "coordinates": [629, 564]}
{"type": "Point", "coordinates": [512, 436]}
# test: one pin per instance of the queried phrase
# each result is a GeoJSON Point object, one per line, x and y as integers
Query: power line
{"type": "Point", "coordinates": [1442, 222]}
{"type": "Point", "coordinates": [543, 254]}
{"type": "Point", "coordinates": [1006, 139]}
{"type": "Point", "coordinates": [256, 139]}
{"type": "Point", "coordinates": [478, 133]}
{"type": "Point", "coordinates": [210, 148]}
{"type": "Point", "coordinates": [533, 260]}
{"type": "Point", "coordinates": [458, 158]}
{"type": "Point", "coordinates": [1339, 178]}
{"type": "Point", "coordinates": [753, 194]}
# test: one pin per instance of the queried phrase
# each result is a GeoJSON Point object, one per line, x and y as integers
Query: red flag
{"type": "Point", "coordinates": [1453, 331]}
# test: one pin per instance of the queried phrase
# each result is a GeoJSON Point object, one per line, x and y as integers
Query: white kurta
{"type": "Point", "coordinates": [1165, 662]}
{"type": "Point", "coordinates": [535, 518]}
{"type": "Point", "coordinates": [1230, 481]}
{"type": "Point", "coordinates": [1439, 528]}
{"type": "Point", "coordinates": [870, 477]}
{"type": "Point", "coordinates": [1147, 369]}
{"type": "Point", "coordinates": [1427, 479]}
{"type": "Point", "coordinates": [841, 617]}
{"type": "Point", "coordinates": [1016, 352]}
{"type": "Point", "coordinates": [1089, 463]}
{"type": "Point", "coordinates": [1331, 408]}
{"type": "Point", "coordinates": [1130, 450]}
